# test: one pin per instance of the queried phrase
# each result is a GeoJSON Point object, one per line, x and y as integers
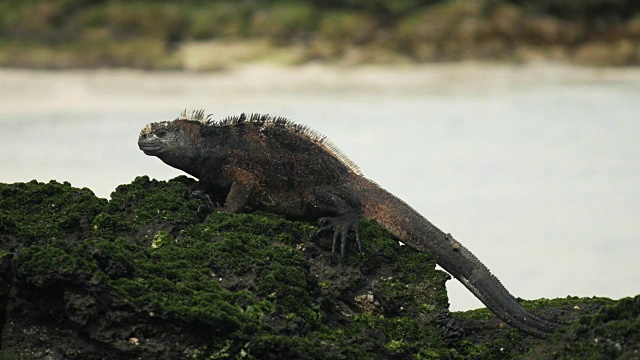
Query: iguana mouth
{"type": "Point", "coordinates": [150, 149]}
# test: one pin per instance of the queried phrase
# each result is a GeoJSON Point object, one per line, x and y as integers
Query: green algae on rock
{"type": "Point", "coordinates": [612, 333]}
{"type": "Point", "coordinates": [147, 276]}
{"type": "Point", "coordinates": [484, 342]}
{"type": "Point", "coordinates": [34, 211]}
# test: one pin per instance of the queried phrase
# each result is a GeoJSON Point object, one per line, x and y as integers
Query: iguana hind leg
{"type": "Point", "coordinates": [344, 219]}
{"type": "Point", "coordinates": [207, 205]}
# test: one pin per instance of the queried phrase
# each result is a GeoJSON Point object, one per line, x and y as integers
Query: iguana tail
{"type": "Point", "coordinates": [416, 231]}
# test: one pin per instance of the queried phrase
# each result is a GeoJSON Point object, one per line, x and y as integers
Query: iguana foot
{"type": "Point", "coordinates": [341, 225]}
{"type": "Point", "coordinates": [208, 205]}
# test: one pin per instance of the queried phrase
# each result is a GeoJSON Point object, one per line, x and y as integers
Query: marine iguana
{"type": "Point", "coordinates": [273, 164]}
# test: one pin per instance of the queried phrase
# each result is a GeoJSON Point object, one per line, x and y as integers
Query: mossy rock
{"type": "Point", "coordinates": [149, 275]}
{"type": "Point", "coordinates": [487, 337]}
{"type": "Point", "coordinates": [44, 212]}
{"type": "Point", "coordinates": [612, 333]}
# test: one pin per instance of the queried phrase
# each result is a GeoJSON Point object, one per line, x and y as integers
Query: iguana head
{"type": "Point", "coordinates": [177, 143]}
{"type": "Point", "coordinates": [163, 137]}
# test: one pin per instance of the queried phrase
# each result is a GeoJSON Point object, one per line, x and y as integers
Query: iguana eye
{"type": "Point", "coordinates": [161, 133]}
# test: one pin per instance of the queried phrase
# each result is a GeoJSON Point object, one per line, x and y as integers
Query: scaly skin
{"type": "Point", "coordinates": [275, 165]}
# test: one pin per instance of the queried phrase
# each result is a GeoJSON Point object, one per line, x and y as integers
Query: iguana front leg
{"type": "Point", "coordinates": [243, 185]}
{"type": "Point", "coordinates": [242, 188]}
{"type": "Point", "coordinates": [346, 218]}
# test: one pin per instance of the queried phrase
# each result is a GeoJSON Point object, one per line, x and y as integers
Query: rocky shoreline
{"type": "Point", "coordinates": [193, 36]}
{"type": "Point", "coordinates": [147, 276]}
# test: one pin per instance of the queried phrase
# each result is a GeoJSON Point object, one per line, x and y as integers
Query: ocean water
{"type": "Point", "coordinates": [536, 168]}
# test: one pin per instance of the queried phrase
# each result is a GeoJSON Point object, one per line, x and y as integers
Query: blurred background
{"type": "Point", "coordinates": [514, 125]}
{"type": "Point", "coordinates": [216, 34]}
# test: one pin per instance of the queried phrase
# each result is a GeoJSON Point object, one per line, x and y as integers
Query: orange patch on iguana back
{"type": "Point", "coordinates": [387, 216]}
{"type": "Point", "coordinates": [238, 175]}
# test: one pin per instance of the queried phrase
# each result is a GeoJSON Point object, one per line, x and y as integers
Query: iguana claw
{"type": "Point", "coordinates": [206, 199]}
{"type": "Point", "coordinates": [341, 225]}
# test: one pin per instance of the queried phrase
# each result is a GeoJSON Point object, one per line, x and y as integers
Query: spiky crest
{"type": "Point", "coordinates": [194, 115]}
{"type": "Point", "coordinates": [266, 120]}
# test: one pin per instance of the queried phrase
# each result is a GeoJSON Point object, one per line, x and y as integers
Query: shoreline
{"type": "Point", "coordinates": [223, 55]}
{"type": "Point", "coordinates": [91, 89]}
{"type": "Point", "coordinates": [210, 37]}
